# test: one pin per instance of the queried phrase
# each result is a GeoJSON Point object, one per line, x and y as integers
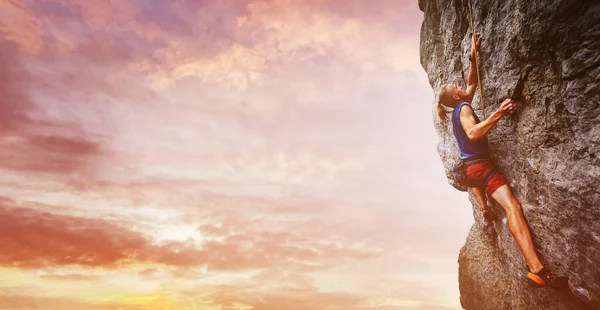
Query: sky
{"type": "Point", "coordinates": [221, 155]}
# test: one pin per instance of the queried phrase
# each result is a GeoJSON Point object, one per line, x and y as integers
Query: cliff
{"type": "Point", "coordinates": [546, 56]}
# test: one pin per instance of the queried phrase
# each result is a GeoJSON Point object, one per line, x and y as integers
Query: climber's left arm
{"type": "Point", "coordinates": [472, 84]}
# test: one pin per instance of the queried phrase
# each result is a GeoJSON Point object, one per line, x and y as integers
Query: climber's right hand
{"type": "Point", "coordinates": [507, 107]}
{"type": "Point", "coordinates": [476, 42]}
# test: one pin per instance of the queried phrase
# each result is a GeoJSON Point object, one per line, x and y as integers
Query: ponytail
{"type": "Point", "coordinates": [442, 113]}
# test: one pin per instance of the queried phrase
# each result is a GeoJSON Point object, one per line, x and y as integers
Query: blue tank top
{"type": "Point", "coordinates": [467, 147]}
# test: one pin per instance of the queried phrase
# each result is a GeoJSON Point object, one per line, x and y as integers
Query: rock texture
{"type": "Point", "coordinates": [546, 56]}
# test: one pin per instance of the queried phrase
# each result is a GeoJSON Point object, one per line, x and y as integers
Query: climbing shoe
{"type": "Point", "coordinates": [546, 277]}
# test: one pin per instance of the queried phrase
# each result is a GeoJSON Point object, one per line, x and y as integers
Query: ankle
{"type": "Point", "coordinates": [535, 269]}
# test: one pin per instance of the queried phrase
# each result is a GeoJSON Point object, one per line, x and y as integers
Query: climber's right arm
{"type": "Point", "coordinates": [476, 131]}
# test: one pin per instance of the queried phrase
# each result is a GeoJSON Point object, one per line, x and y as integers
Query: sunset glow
{"type": "Point", "coordinates": [221, 155]}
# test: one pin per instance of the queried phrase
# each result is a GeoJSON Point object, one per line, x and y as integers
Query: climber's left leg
{"type": "Point", "coordinates": [476, 176]}
{"type": "Point", "coordinates": [479, 194]}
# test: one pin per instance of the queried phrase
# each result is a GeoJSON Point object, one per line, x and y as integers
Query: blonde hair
{"type": "Point", "coordinates": [442, 98]}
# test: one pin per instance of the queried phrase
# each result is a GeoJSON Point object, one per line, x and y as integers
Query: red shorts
{"type": "Point", "coordinates": [477, 171]}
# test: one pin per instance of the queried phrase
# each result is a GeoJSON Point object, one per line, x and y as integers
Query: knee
{"type": "Point", "coordinates": [514, 206]}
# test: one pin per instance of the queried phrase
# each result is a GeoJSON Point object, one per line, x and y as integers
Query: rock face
{"type": "Point", "coordinates": [545, 54]}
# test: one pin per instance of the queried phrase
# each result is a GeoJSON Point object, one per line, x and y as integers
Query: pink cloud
{"type": "Point", "coordinates": [62, 149]}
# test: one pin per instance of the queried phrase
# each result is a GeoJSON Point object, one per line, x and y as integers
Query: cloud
{"type": "Point", "coordinates": [254, 151]}
{"type": "Point", "coordinates": [19, 26]}
{"type": "Point", "coordinates": [254, 41]}
{"type": "Point", "coordinates": [33, 144]}
{"type": "Point", "coordinates": [297, 292]}
{"type": "Point", "coordinates": [214, 44]}
{"type": "Point", "coordinates": [13, 78]}
{"type": "Point", "coordinates": [33, 239]}
{"type": "Point", "coordinates": [292, 300]}
{"type": "Point", "coordinates": [22, 302]}
{"type": "Point", "coordinates": [71, 277]}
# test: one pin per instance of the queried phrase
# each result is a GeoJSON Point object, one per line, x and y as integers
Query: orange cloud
{"type": "Point", "coordinates": [19, 26]}
{"type": "Point", "coordinates": [21, 302]}
{"type": "Point", "coordinates": [300, 297]}
{"type": "Point", "coordinates": [33, 238]}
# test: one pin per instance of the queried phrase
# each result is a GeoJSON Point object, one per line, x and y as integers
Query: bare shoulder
{"type": "Point", "coordinates": [467, 115]}
{"type": "Point", "coordinates": [466, 110]}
